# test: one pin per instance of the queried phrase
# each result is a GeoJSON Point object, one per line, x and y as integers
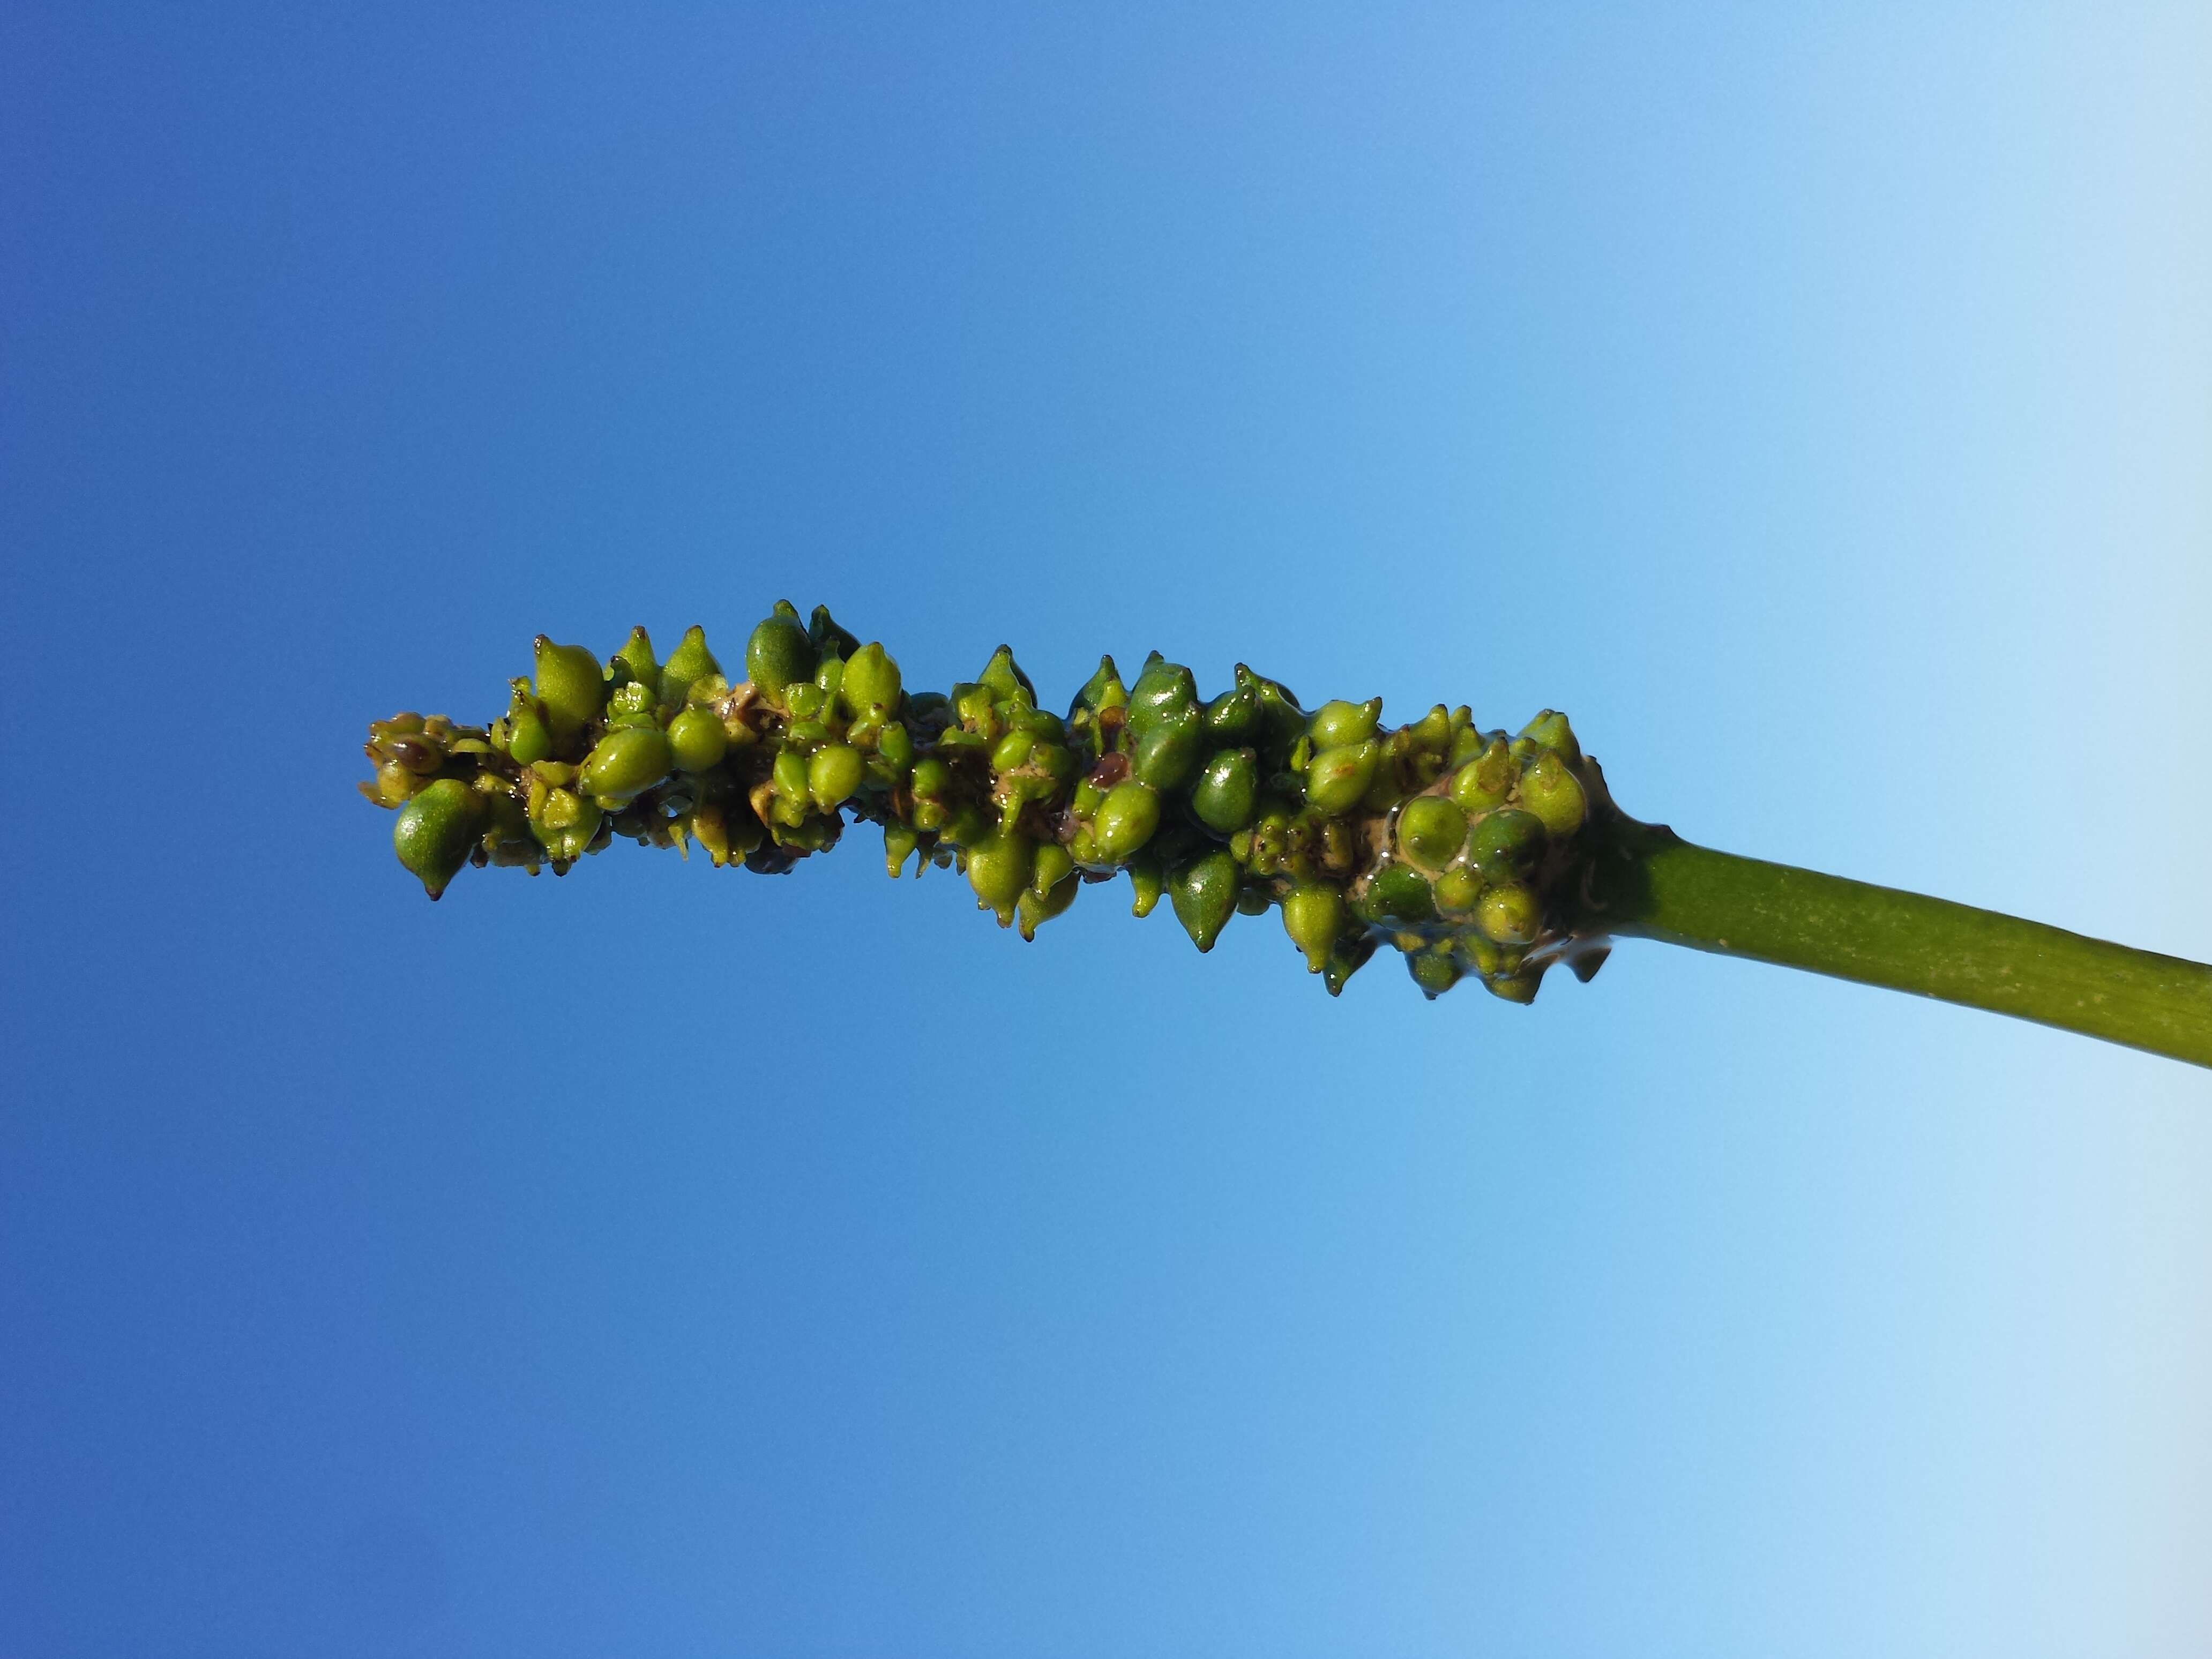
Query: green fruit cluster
{"type": "Point", "coordinates": [1448, 842]}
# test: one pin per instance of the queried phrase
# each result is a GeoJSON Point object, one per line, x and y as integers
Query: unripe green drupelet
{"type": "Point", "coordinates": [1336, 778]}
{"type": "Point", "coordinates": [832, 774]}
{"type": "Point", "coordinates": [1204, 894]}
{"type": "Point", "coordinates": [1550, 790]}
{"type": "Point", "coordinates": [779, 653]}
{"type": "Point", "coordinates": [999, 869]}
{"type": "Point", "coordinates": [1313, 915]}
{"type": "Point", "coordinates": [698, 740]}
{"type": "Point", "coordinates": [1431, 831]}
{"type": "Point", "coordinates": [625, 763]}
{"type": "Point", "coordinates": [1124, 821]}
{"type": "Point", "coordinates": [435, 829]}
{"type": "Point", "coordinates": [570, 687]}
{"type": "Point", "coordinates": [1228, 791]}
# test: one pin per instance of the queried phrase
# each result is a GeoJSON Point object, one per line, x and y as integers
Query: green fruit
{"type": "Point", "coordinates": [1051, 866]}
{"type": "Point", "coordinates": [778, 653]}
{"type": "Point", "coordinates": [895, 745]}
{"type": "Point", "coordinates": [932, 779]}
{"type": "Point", "coordinates": [1146, 881]}
{"type": "Point", "coordinates": [1313, 915]}
{"type": "Point", "coordinates": [1204, 893]}
{"type": "Point", "coordinates": [527, 739]}
{"type": "Point", "coordinates": [1254, 900]}
{"type": "Point", "coordinates": [1228, 791]}
{"type": "Point", "coordinates": [1003, 677]}
{"type": "Point", "coordinates": [1124, 821]}
{"type": "Point", "coordinates": [1434, 971]}
{"type": "Point", "coordinates": [637, 659]}
{"type": "Point", "coordinates": [696, 740]}
{"type": "Point", "coordinates": [625, 763]}
{"type": "Point", "coordinates": [1482, 783]}
{"type": "Point", "coordinates": [871, 681]}
{"type": "Point", "coordinates": [1396, 892]}
{"type": "Point", "coordinates": [1034, 908]}
{"type": "Point", "coordinates": [1457, 890]}
{"type": "Point", "coordinates": [1550, 789]}
{"type": "Point", "coordinates": [1103, 689]}
{"type": "Point", "coordinates": [832, 774]}
{"type": "Point", "coordinates": [1430, 830]}
{"type": "Point", "coordinates": [1338, 723]}
{"type": "Point", "coordinates": [1506, 844]}
{"type": "Point", "coordinates": [1011, 750]}
{"type": "Point", "coordinates": [1551, 729]}
{"type": "Point", "coordinates": [1233, 716]}
{"type": "Point", "coordinates": [435, 831]}
{"type": "Point", "coordinates": [899, 843]}
{"type": "Point", "coordinates": [1511, 915]}
{"type": "Point", "coordinates": [1164, 688]}
{"type": "Point", "coordinates": [571, 689]}
{"type": "Point", "coordinates": [999, 868]}
{"type": "Point", "coordinates": [1167, 755]}
{"type": "Point", "coordinates": [1337, 778]}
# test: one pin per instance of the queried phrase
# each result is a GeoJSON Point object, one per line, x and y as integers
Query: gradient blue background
{"type": "Point", "coordinates": [666, 1262]}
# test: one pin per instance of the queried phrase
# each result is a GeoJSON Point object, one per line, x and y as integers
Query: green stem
{"type": "Point", "coordinates": [1648, 882]}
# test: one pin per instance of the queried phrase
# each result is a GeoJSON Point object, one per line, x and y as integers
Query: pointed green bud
{"type": "Point", "coordinates": [1164, 688]}
{"type": "Point", "coordinates": [528, 738]}
{"type": "Point", "coordinates": [1434, 971]}
{"type": "Point", "coordinates": [826, 637]}
{"type": "Point", "coordinates": [778, 653]}
{"type": "Point", "coordinates": [1338, 723]}
{"type": "Point", "coordinates": [1103, 689]}
{"type": "Point", "coordinates": [1505, 845]}
{"type": "Point", "coordinates": [1234, 716]}
{"type": "Point", "coordinates": [625, 763]}
{"type": "Point", "coordinates": [832, 774]}
{"type": "Point", "coordinates": [1004, 678]}
{"type": "Point", "coordinates": [698, 740]}
{"type": "Point", "coordinates": [1167, 755]}
{"type": "Point", "coordinates": [1511, 915]}
{"type": "Point", "coordinates": [1431, 734]}
{"type": "Point", "coordinates": [1147, 879]}
{"type": "Point", "coordinates": [1348, 959]}
{"type": "Point", "coordinates": [1034, 908]}
{"type": "Point", "coordinates": [1551, 729]}
{"type": "Point", "coordinates": [1313, 915]}
{"type": "Point", "coordinates": [932, 779]}
{"type": "Point", "coordinates": [1482, 782]}
{"type": "Point", "coordinates": [899, 843]}
{"type": "Point", "coordinates": [1431, 831]}
{"type": "Point", "coordinates": [436, 831]}
{"type": "Point", "coordinates": [636, 660]}
{"type": "Point", "coordinates": [1051, 866]}
{"type": "Point", "coordinates": [1520, 986]}
{"type": "Point", "coordinates": [1397, 892]}
{"type": "Point", "coordinates": [1126, 820]}
{"type": "Point", "coordinates": [690, 662]}
{"type": "Point", "coordinates": [999, 868]}
{"type": "Point", "coordinates": [1011, 750]}
{"type": "Point", "coordinates": [1228, 791]}
{"type": "Point", "coordinates": [871, 681]}
{"type": "Point", "coordinates": [1204, 893]}
{"type": "Point", "coordinates": [895, 745]}
{"type": "Point", "coordinates": [1337, 778]}
{"type": "Point", "coordinates": [571, 689]}
{"type": "Point", "coordinates": [1457, 890]}
{"type": "Point", "coordinates": [1550, 789]}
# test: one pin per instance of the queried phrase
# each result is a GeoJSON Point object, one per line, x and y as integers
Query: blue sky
{"type": "Point", "coordinates": [666, 1261]}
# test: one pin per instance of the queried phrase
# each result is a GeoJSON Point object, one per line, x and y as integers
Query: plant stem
{"type": "Point", "coordinates": [1648, 882]}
